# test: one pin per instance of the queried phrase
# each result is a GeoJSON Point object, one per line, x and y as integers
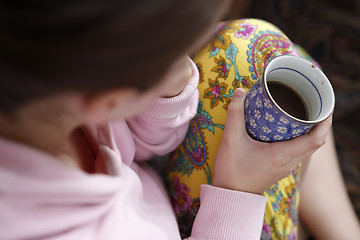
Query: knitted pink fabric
{"type": "Point", "coordinates": [42, 198]}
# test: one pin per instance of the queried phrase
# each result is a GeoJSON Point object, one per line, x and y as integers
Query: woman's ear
{"type": "Point", "coordinates": [102, 107]}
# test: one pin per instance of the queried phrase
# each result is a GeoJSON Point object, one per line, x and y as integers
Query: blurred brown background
{"type": "Point", "coordinates": [330, 31]}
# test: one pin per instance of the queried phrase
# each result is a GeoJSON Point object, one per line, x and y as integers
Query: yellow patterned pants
{"type": "Point", "coordinates": [234, 57]}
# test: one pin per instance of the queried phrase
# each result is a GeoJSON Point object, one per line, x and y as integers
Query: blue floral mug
{"type": "Point", "coordinates": [288, 100]}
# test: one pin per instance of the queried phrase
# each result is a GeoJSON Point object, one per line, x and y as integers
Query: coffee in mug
{"type": "Point", "coordinates": [288, 100]}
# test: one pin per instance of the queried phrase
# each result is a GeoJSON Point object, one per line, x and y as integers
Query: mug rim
{"type": "Point", "coordinates": [265, 86]}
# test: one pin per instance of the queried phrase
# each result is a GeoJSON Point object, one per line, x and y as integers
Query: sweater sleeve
{"type": "Point", "coordinates": [162, 125]}
{"type": "Point", "coordinates": [228, 214]}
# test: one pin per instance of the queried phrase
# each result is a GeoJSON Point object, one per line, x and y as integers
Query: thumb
{"type": "Point", "coordinates": [235, 119]}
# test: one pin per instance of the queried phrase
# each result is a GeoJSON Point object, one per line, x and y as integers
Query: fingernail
{"type": "Point", "coordinates": [239, 94]}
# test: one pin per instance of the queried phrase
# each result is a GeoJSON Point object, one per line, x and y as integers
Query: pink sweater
{"type": "Point", "coordinates": [42, 198]}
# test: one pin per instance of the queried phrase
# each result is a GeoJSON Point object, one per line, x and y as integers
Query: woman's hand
{"type": "Point", "coordinates": [248, 165]}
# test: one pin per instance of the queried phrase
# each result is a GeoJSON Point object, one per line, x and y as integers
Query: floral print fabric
{"type": "Point", "coordinates": [234, 57]}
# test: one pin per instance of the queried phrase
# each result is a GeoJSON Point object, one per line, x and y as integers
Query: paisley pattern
{"type": "Point", "coordinates": [234, 57]}
{"type": "Point", "coordinates": [264, 47]}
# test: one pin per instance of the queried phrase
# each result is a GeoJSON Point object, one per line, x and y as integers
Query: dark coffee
{"type": "Point", "coordinates": [288, 100]}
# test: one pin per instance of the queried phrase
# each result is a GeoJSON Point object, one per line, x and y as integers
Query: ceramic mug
{"type": "Point", "coordinates": [289, 99]}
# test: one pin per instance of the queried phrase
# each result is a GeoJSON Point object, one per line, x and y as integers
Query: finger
{"type": "Point", "coordinates": [235, 119]}
{"type": "Point", "coordinates": [322, 129]}
{"type": "Point", "coordinates": [307, 143]}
